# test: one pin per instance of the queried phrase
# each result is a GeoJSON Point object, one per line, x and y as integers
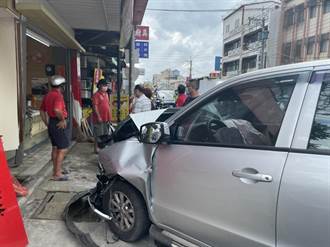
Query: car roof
{"type": "Point", "coordinates": [297, 67]}
{"type": "Point", "coordinates": [283, 68]}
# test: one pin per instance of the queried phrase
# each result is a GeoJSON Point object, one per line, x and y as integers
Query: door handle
{"type": "Point", "coordinates": [252, 174]}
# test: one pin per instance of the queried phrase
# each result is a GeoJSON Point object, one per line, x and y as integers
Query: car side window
{"type": "Point", "coordinates": [320, 133]}
{"type": "Point", "coordinates": [248, 114]}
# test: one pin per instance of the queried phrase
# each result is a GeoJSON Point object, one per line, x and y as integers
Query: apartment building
{"type": "Point", "coordinates": [305, 31]}
{"type": "Point", "coordinates": [168, 79]}
{"type": "Point", "coordinates": [250, 37]}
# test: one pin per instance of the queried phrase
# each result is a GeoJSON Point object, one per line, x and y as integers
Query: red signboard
{"type": "Point", "coordinates": [142, 33]}
{"type": "Point", "coordinates": [12, 232]}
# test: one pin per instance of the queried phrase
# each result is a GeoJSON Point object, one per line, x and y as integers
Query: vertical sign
{"type": "Point", "coordinates": [142, 33]}
{"type": "Point", "coordinates": [217, 63]}
{"type": "Point", "coordinates": [143, 48]}
{"type": "Point", "coordinates": [142, 41]}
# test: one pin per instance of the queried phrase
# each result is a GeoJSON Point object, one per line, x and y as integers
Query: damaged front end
{"type": "Point", "coordinates": [127, 161]}
{"type": "Point", "coordinates": [84, 206]}
{"type": "Point", "coordinates": [96, 195]}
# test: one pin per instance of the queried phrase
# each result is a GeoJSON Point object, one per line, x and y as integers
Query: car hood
{"type": "Point", "coordinates": [142, 118]}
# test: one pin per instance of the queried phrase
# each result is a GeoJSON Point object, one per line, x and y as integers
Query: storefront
{"type": "Point", "coordinates": [40, 35]}
{"type": "Point", "coordinates": [44, 59]}
{"type": "Point", "coordinates": [47, 47]}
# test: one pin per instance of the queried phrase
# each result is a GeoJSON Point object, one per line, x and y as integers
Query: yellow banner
{"type": "Point", "coordinates": [124, 107]}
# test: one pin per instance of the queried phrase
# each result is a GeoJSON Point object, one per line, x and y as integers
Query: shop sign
{"type": "Point", "coordinates": [217, 63]}
{"type": "Point", "coordinates": [142, 33]}
{"type": "Point", "coordinates": [143, 48]}
{"type": "Point", "coordinates": [214, 75]}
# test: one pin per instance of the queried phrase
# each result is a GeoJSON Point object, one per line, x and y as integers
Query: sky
{"type": "Point", "coordinates": [175, 37]}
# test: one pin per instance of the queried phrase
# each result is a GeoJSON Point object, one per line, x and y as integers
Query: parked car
{"type": "Point", "coordinates": [165, 99]}
{"type": "Point", "coordinates": [244, 165]}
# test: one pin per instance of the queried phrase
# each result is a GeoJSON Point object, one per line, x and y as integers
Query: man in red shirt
{"type": "Point", "coordinates": [182, 96]}
{"type": "Point", "coordinates": [53, 113]}
{"type": "Point", "coordinates": [101, 114]}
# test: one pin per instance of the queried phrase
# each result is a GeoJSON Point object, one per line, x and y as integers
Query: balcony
{"type": "Point", "coordinates": [234, 52]}
{"type": "Point", "coordinates": [232, 73]}
{"type": "Point", "coordinates": [252, 46]}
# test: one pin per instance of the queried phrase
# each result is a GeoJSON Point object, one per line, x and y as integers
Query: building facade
{"type": "Point", "coordinates": [40, 38]}
{"type": "Point", "coordinates": [250, 38]}
{"type": "Point", "coordinates": [168, 79]}
{"type": "Point", "coordinates": [305, 31]}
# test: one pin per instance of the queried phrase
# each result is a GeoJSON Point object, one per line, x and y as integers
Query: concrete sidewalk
{"type": "Point", "coordinates": [42, 210]}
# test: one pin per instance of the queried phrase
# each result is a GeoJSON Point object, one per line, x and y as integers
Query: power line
{"type": "Point", "coordinates": [201, 10]}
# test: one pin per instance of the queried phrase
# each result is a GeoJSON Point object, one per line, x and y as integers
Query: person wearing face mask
{"type": "Point", "coordinates": [101, 114]}
{"type": "Point", "coordinates": [192, 86]}
{"type": "Point", "coordinates": [54, 114]}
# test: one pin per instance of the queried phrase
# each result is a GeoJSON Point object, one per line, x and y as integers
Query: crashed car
{"type": "Point", "coordinates": [246, 164]}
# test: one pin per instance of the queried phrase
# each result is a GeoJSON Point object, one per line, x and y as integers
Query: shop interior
{"type": "Point", "coordinates": [43, 60]}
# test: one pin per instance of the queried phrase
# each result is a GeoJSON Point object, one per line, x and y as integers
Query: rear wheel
{"type": "Point", "coordinates": [130, 217]}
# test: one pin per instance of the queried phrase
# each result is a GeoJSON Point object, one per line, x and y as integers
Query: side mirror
{"type": "Point", "coordinates": [153, 133]}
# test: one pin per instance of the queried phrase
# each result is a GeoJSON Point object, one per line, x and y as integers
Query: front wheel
{"type": "Point", "coordinates": [130, 216]}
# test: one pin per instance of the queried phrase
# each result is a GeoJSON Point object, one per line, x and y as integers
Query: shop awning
{"type": "Point", "coordinates": [139, 10]}
{"type": "Point", "coordinates": [115, 16]}
{"type": "Point", "coordinates": [7, 9]}
{"type": "Point", "coordinates": [42, 15]}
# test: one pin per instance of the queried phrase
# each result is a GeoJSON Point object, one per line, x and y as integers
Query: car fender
{"type": "Point", "coordinates": [129, 159]}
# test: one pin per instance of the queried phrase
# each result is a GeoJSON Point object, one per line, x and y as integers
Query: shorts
{"type": "Point", "coordinates": [101, 129]}
{"type": "Point", "coordinates": [58, 137]}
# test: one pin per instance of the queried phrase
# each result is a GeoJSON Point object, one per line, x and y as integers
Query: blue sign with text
{"type": "Point", "coordinates": [217, 64]}
{"type": "Point", "coordinates": [143, 48]}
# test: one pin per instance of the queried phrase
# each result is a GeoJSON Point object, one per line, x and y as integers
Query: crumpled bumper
{"type": "Point", "coordinates": [92, 198]}
{"type": "Point", "coordinates": [77, 207]}
{"type": "Point", "coordinates": [86, 204]}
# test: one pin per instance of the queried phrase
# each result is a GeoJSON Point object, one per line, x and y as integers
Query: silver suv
{"type": "Point", "coordinates": [247, 164]}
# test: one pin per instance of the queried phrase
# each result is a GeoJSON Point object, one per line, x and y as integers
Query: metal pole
{"type": "Point", "coordinates": [22, 80]}
{"type": "Point", "coordinates": [68, 92]}
{"type": "Point", "coordinates": [190, 69]}
{"type": "Point", "coordinates": [262, 43]}
{"type": "Point", "coordinates": [130, 83]}
{"type": "Point", "coordinates": [118, 83]}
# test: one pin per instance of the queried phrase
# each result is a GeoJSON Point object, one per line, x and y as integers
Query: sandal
{"type": "Point", "coordinates": [65, 171]}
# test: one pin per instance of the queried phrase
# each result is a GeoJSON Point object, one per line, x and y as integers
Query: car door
{"type": "Point", "coordinates": [304, 201]}
{"type": "Point", "coordinates": [217, 181]}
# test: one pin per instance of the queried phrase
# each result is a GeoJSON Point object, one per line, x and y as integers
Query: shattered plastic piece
{"type": "Point", "coordinates": [20, 190]}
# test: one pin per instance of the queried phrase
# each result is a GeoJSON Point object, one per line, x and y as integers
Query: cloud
{"type": "Point", "coordinates": [175, 37]}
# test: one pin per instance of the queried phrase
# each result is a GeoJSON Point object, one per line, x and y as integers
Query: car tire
{"type": "Point", "coordinates": [130, 216]}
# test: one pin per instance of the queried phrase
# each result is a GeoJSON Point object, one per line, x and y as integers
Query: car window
{"type": "Point", "coordinates": [249, 114]}
{"type": "Point", "coordinates": [320, 133]}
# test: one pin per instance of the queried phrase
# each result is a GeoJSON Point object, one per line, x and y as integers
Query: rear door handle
{"type": "Point", "coordinates": [252, 174]}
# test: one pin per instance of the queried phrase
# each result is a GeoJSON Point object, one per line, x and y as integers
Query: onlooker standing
{"type": "Point", "coordinates": [182, 96]}
{"type": "Point", "coordinates": [141, 103]}
{"type": "Point", "coordinates": [149, 94]}
{"type": "Point", "coordinates": [193, 86]}
{"type": "Point", "coordinates": [53, 113]}
{"type": "Point", "coordinates": [101, 114]}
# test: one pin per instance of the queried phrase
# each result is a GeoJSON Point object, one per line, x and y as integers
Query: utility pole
{"type": "Point", "coordinates": [190, 69]}
{"type": "Point", "coordinates": [263, 42]}
{"type": "Point", "coordinates": [263, 37]}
